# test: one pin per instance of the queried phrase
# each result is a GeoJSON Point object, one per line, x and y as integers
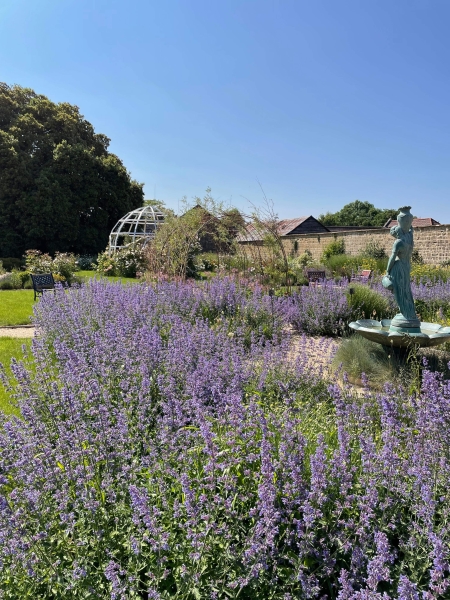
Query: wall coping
{"type": "Point", "coordinates": [442, 227]}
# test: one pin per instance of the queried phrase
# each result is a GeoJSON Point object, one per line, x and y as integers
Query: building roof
{"type": "Point", "coordinates": [288, 225]}
{"type": "Point", "coordinates": [284, 227]}
{"type": "Point", "coordinates": [417, 222]}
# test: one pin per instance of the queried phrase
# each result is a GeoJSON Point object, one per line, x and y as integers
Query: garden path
{"type": "Point", "coordinates": [26, 331]}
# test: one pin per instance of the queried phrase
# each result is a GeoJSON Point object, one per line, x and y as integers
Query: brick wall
{"type": "Point", "coordinates": [433, 243]}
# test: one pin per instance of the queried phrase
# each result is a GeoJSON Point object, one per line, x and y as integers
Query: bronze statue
{"type": "Point", "coordinates": [398, 275]}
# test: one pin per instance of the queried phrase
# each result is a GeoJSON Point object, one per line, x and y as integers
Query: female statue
{"type": "Point", "coordinates": [398, 276]}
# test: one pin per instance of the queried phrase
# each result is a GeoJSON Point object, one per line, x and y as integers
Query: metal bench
{"type": "Point", "coordinates": [315, 275]}
{"type": "Point", "coordinates": [42, 283]}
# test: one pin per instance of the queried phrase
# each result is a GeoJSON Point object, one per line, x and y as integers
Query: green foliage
{"type": "Point", "coordinates": [87, 262]}
{"type": "Point", "coordinates": [129, 261]}
{"type": "Point", "coordinates": [367, 303]}
{"type": "Point", "coordinates": [11, 263]}
{"type": "Point", "coordinates": [357, 355]}
{"type": "Point", "coordinates": [342, 265]}
{"type": "Point", "coordinates": [305, 259]}
{"type": "Point", "coordinates": [359, 213]}
{"type": "Point", "coordinates": [416, 258]}
{"type": "Point", "coordinates": [63, 266]}
{"type": "Point", "coordinates": [334, 248]}
{"type": "Point", "coordinates": [6, 283]}
{"type": "Point", "coordinates": [15, 280]}
{"type": "Point", "coordinates": [207, 261]}
{"type": "Point", "coordinates": [60, 187]}
{"type": "Point", "coordinates": [374, 249]}
{"type": "Point", "coordinates": [429, 273]}
{"type": "Point", "coordinates": [204, 227]}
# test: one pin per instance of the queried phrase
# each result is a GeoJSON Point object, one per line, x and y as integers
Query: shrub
{"type": "Point", "coordinates": [367, 303]}
{"type": "Point", "coordinates": [10, 264]}
{"type": "Point", "coordinates": [429, 273]}
{"type": "Point", "coordinates": [305, 259]}
{"type": "Point", "coordinates": [374, 249]}
{"type": "Point", "coordinates": [37, 262]}
{"type": "Point", "coordinates": [210, 260]}
{"type": "Point", "coordinates": [63, 264]}
{"type": "Point", "coordinates": [416, 257]}
{"type": "Point", "coordinates": [106, 264]}
{"type": "Point", "coordinates": [432, 300]}
{"type": "Point", "coordinates": [87, 262]}
{"type": "Point", "coordinates": [125, 262]}
{"type": "Point", "coordinates": [6, 283]}
{"type": "Point", "coordinates": [2, 270]}
{"type": "Point", "coordinates": [12, 281]}
{"type": "Point", "coordinates": [343, 265]}
{"type": "Point", "coordinates": [334, 248]}
{"type": "Point", "coordinates": [320, 310]}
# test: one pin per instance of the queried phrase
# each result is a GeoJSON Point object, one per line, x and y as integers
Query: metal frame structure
{"type": "Point", "coordinates": [138, 224]}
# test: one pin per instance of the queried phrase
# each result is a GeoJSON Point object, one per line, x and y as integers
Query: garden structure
{"type": "Point", "coordinates": [405, 325]}
{"type": "Point", "coordinates": [139, 224]}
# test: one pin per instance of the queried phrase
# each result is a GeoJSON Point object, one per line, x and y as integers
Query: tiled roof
{"type": "Point", "coordinates": [287, 225]}
{"type": "Point", "coordinates": [418, 222]}
{"type": "Point", "coordinates": [252, 233]}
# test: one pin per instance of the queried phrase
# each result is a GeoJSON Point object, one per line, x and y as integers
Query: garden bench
{"type": "Point", "coordinates": [363, 277]}
{"type": "Point", "coordinates": [314, 276]}
{"type": "Point", "coordinates": [42, 283]}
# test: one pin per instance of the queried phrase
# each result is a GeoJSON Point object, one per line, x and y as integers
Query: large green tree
{"type": "Point", "coordinates": [60, 188]}
{"type": "Point", "coordinates": [359, 213]}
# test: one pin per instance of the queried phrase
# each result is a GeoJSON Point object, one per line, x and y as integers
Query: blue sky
{"type": "Point", "coordinates": [320, 101]}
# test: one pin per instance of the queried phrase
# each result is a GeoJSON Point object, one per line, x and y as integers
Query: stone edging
{"type": "Point", "coordinates": [17, 326]}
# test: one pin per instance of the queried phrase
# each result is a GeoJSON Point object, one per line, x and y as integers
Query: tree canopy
{"type": "Point", "coordinates": [60, 188]}
{"type": "Point", "coordinates": [359, 213]}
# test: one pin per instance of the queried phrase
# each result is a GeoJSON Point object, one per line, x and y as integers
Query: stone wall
{"type": "Point", "coordinates": [433, 243]}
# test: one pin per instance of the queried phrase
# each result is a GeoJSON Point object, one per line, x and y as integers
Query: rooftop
{"type": "Point", "coordinates": [417, 222]}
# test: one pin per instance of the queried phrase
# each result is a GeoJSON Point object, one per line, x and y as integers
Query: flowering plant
{"type": "Point", "coordinates": [125, 262]}
{"type": "Point", "coordinates": [158, 457]}
{"type": "Point", "coordinates": [64, 264]}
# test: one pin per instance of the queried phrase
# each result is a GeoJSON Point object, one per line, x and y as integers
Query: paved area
{"type": "Point", "coordinates": [17, 332]}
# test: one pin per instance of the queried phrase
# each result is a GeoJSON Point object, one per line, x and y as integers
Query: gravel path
{"type": "Point", "coordinates": [17, 332]}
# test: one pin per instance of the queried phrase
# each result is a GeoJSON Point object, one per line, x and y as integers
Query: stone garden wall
{"type": "Point", "coordinates": [433, 243]}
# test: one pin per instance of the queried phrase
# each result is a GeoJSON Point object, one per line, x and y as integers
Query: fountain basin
{"type": "Point", "coordinates": [431, 334]}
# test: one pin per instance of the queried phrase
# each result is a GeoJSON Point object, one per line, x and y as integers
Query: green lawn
{"type": "Point", "coordinates": [10, 347]}
{"type": "Point", "coordinates": [16, 307]}
{"type": "Point", "coordinates": [85, 275]}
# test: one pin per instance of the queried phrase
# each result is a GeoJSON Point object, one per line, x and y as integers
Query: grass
{"type": "Point", "coordinates": [16, 307]}
{"type": "Point", "coordinates": [382, 364]}
{"type": "Point", "coordinates": [85, 275]}
{"type": "Point", "coordinates": [10, 347]}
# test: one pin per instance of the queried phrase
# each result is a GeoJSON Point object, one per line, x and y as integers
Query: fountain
{"type": "Point", "coordinates": [405, 328]}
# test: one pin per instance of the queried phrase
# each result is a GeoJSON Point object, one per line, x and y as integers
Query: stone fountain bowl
{"type": "Point", "coordinates": [431, 334]}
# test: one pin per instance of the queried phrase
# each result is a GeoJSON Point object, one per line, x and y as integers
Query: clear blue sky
{"type": "Point", "coordinates": [321, 101]}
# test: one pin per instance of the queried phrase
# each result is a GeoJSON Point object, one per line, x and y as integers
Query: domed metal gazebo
{"type": "Point", "coordinates": [138, 224]}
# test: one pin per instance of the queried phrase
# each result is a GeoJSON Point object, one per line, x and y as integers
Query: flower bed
{"type": "Point", "coordinates": [163, 452]}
